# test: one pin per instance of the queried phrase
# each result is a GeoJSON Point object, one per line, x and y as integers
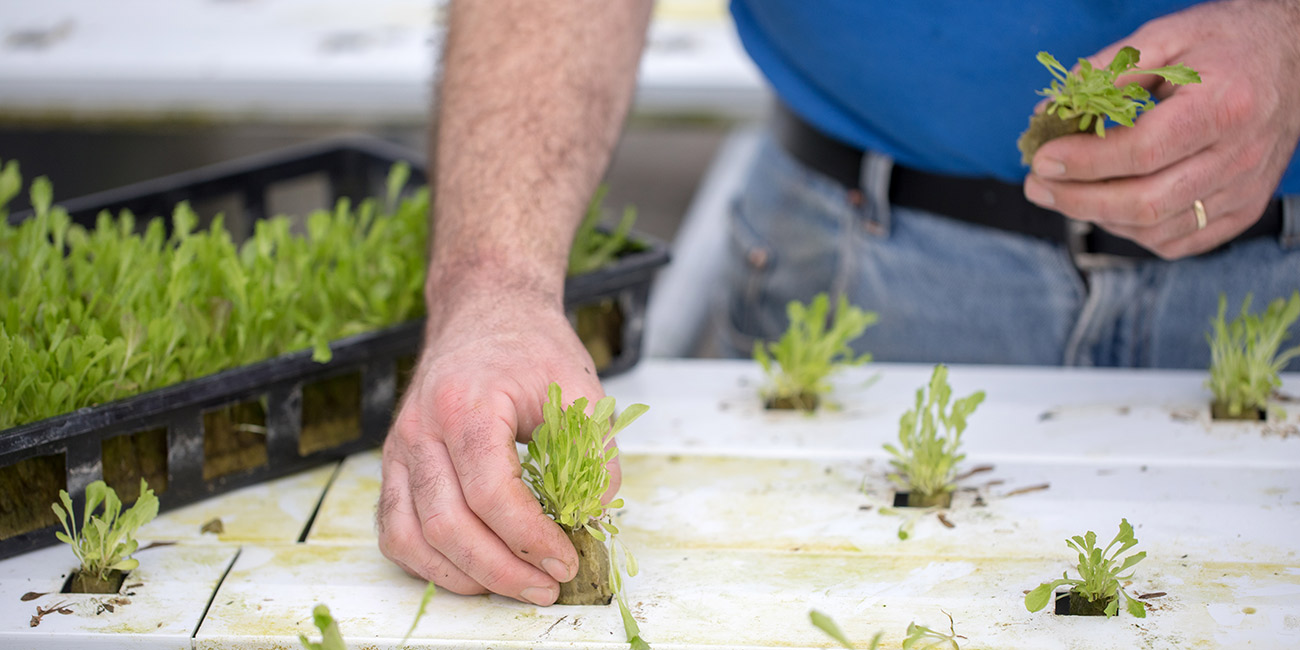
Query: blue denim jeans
{"type": "Point", "coordinates": [948, 291]}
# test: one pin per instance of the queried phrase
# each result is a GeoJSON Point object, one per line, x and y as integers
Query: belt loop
{"type": "Point", "coordinates": [875, 173]}
{"type": "Point", "coordinates": [1290, 236]}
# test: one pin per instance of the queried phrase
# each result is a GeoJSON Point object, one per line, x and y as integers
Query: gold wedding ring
{"type": "Point", "coordinates": [1199, 208]}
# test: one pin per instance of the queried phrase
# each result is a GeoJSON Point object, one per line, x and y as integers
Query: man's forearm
{"type": "Point", "coordinates": [532, 100]}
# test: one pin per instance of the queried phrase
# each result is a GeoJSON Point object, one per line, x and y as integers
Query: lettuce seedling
{"type": "Point", "coordinates": [1099, 587]}
{"type": "Point", "coordinates": [331, 638]}
{"type": "Point", "coordinates": [1082, 100]}
{"type": "Point", "coordinates": [91, 315]}
{"type": "Point", "coordinates": [593, 247]}
{"type": "Point", "coordinates": [104, 543]}
{"type": "Point", "coordinates": [918, 637]}
{"type": "Point", "coordinates": [567, 469]}
{"type": "Point", "coordinates": [926, 459]}
{"type": "Point", "coordinates": [599, 324]}
{"type": "Point", "coordinates": [1244, 356]}
{"type": "Point", "coordinates": [798, 364]}
{"type": "Point", "coordinates": [429, 591]}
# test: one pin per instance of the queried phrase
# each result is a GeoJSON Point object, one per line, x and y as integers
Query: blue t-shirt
{"type": "Point", "coordinates": [941, 85]}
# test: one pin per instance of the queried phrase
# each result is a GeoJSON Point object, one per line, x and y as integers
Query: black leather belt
{"type": "Point", "coordinates": [983, 201]}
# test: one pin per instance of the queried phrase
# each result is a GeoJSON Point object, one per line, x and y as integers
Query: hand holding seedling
{"type": "Point", "coordinates": [453, 509]}
{"type": "Point", "coordinates": [1224, 141]}
{"type": "Point", "coordinates": [527, 119]}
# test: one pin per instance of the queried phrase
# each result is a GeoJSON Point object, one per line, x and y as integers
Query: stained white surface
{"type": "Point", "coordinates": [347, 512]}
{"type": "Point", "coordinates": [305, 59]}
{"type": "Point", "coordinates": [274, 511]}
{"type": "Point", "coordinates": [744, 520]}
{"type": "Point", "coordinates": [159, 606]}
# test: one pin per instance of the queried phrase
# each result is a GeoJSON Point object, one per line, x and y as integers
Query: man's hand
{"type": "Point", "coordinates": [454, 509]}
{"type": "Point", "coordinates": [1225, 141]}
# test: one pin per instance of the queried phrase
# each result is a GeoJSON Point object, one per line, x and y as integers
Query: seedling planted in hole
{"type": "Point", "coordinates": [1099, 587]}
{"type": "Point", "coordinates": [104, 543]}
{"type": "Point", "coordinates": [798, 364]}
{"type": "Point", "coordinates": [1082, 100]}
{"type": "Point", "coordinates": [1244, 356]}
{"type": "Point", "coordinates": [918, 637]}
{"type": "Point", "coordinates": [926, 459]}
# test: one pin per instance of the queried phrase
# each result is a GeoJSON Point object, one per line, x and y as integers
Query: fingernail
{"type": "Point", "coordinates": [539, 596]}
{"type": "Point", "coordinates": [557, 569]}
{"type": "Point", "coordinates": [1048, 167]}
{"type": "Point", "coordinates": [1036, 193]}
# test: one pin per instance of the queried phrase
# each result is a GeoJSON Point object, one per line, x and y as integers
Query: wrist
{"type": "Point", "coordinates": [482, 289]}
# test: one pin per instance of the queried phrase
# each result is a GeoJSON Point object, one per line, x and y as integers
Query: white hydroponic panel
{"type": "Point", "coordinates": [744, 520]}
{"type": "Point", "coordinates": [159, 606]}
{"type": "Point", "coordinates": [347, 513]}
{"type": "Point", "coordinates": [275, 511]}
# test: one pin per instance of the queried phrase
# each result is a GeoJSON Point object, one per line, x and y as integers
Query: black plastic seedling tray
{"type": "Point", "coordinates": [262, 403]}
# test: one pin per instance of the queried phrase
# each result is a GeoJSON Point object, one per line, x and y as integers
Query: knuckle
{"type": "Point", "coordinates": [1148, 210]}
{"type": "Point", "coordinates": [460, 586]}
{"type": "Point", "coordinates": [1149, 156]}
{"type": "Point", "coordinates": [398, 546]}
{"type": "Point", "coordinates": [1254, 154]}
{"type": "Point", "coordinates": [484, 493]}
{"type": "Point", "coordinates": [1234, 109]}
{"type": "Point", "coordinates": [450, 394]}
{"type": "Point", "coordinates": [439, 528]}
{"type": "Point", "coordinates": [499, 579]}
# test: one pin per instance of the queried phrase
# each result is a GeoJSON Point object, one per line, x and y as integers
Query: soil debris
{"type": "Point", "coordinates": [1027, 490]}
{"type": "Point", "coordinates": [1047, 415]}
{"type": "Point", "coordinates": [1184, 415]}
{"type": "Point", "coordinates": [1281, 429]}
{"type": "Point", "coordinates": [42, 611]}
{"type": "Point", "coordinates": [552, 627]}
{"type": "Point", "coordinates": [213, 526]}
{"type": "Point", "coordinates": [972, 471]}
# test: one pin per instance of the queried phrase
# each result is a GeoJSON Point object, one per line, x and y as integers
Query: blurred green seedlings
{"type": "Point", "coordinates": [593, 247]}
{"type": "Point", "coordinates": [1245, 360]}
{"type": "Point", "coordinates": [331, 638]}
{"type": "Point", "coordinates": [92, 315]}
{"type": "Point", "coordinates": [929, 438]}
{"type": "Point", "coordinates": [917, 637]}
{"type": "Point", "coordinates": [798, 364]}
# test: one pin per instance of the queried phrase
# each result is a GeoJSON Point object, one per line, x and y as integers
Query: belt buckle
{"type": "Point", "coordinates": [1085, 259]}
